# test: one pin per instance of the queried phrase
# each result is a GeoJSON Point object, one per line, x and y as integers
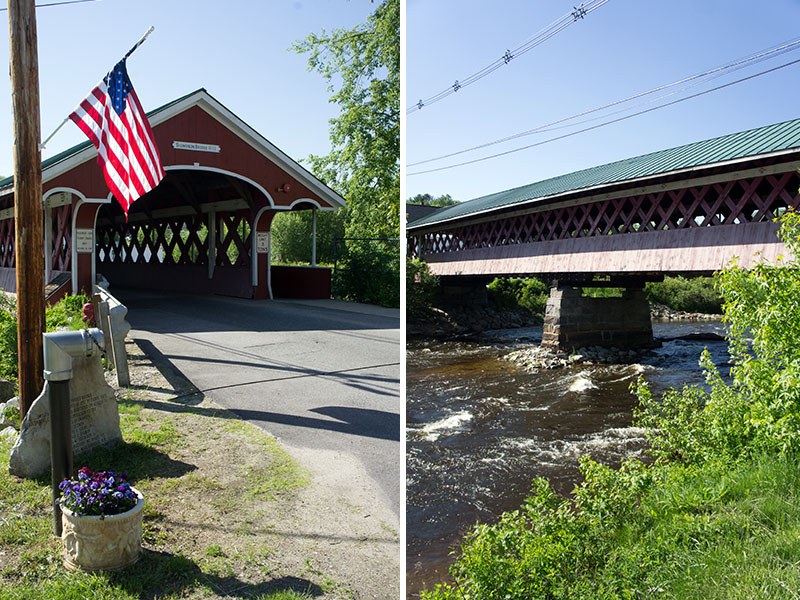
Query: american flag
{"type": "Point", "coordinates": [112, 118]}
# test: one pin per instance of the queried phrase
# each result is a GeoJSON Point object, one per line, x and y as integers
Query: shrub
{"type": "Point", "coordinates": [760, 408]}
{"type": "Point", "coordinates": [8, 337]}
{"type": "Point", "coordinates": [66, 313]}
{"type": "Point", "coordinates": [690, 295]}
{"type": "Point", "coordinates": [369, 272]}
{"type": "Point", "coordinates": [721, 491]}
{"type": "Point", "coordinates": [512, 292]}
{"type": "Point", "coordinates": [420, 287]}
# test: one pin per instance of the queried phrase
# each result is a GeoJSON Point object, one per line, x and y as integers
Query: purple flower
{"type": "Point", "coordinates": [103, 493]}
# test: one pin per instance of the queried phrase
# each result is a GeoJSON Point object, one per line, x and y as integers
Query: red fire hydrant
{"type": "Point", "coordinates": [88, 314]}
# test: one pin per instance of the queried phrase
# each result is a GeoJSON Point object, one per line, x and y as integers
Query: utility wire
{"type": "Point", "coordinates": [697, 79]}
{"type": "Point", "coordinates": [535, 40]}
{"type": "Point", "coordinates": [58, 3]}
{"type": "Point", "coordinates": [641, 112]}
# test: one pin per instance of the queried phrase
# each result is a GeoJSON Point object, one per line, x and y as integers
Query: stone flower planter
{"type": "Point", "coordinates": [93, 543]}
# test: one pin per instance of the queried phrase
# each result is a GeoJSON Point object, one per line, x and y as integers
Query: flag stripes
{"type": "Point", "coordinates": [112, 118]}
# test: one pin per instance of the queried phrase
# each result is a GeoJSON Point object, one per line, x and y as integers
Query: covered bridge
{"type": "Point", "coordinates": [204, 229]}
{"type": "Point", "coordinates": [687, 210]}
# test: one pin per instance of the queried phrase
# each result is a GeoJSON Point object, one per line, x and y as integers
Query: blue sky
{"type": "Point", "coordinates": [236, 49]}
{"type": "Point", "coordinates": [622, 48]}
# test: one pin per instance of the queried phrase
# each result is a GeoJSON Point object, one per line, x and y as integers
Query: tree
{"type": "Point", "coordinates": [362, 67]}
{"type": "Point", "coordinates": [429, 200]}
{"type": "Point", "coordinates": [292, 238]}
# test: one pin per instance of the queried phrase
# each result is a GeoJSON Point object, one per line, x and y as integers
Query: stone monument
{"type": "Point", "coordinates": [94, 415]}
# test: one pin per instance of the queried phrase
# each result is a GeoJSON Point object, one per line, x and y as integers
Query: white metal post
{"type": "Point", "coordinates": [314, 237]}
{"type": "Point", "coordinates": [212, 243]}
{"type": "Point", "coordinates": [48, 243]}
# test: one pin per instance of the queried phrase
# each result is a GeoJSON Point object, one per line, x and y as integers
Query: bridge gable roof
{"type": "Point", "coordinates": [751, 144]}
{"type": "Point", "coordinates": [162, 117]}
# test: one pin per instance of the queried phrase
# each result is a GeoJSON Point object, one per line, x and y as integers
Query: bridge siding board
{"type": "Point", "coordinates": [697, 249]}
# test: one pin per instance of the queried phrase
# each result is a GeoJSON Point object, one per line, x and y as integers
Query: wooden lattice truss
{"type": "Point", "coordinates": [750, 200]}
{"type": "Point", "coordinates": [177, 241]}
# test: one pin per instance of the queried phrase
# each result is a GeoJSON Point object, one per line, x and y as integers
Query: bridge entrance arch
{"type": "Point", "coordinates": [204, 229]}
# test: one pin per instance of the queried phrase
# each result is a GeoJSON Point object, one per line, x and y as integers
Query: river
{"type": "Point", "coordinates": [479, 428]}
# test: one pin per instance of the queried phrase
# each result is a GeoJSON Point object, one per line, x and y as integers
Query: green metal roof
{"type": "Point", "coordinates": [8, 182]}
{"type": "Point", "coordinates": [754, 142]}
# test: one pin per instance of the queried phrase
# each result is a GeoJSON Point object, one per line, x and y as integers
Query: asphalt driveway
{"type": "Point", "coordinates": [321, 375]}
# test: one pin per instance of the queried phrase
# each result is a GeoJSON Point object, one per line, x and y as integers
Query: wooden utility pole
{"type": "Point", "coordinates": [28, 210]}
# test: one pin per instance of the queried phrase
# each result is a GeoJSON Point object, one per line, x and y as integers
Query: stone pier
{"type": "Point", "coordinates": [572, 321]}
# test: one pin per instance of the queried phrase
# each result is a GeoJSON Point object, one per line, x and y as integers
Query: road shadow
{"type": "Point", "coordinates": [179, 384]}
{"type": "Point", "coordinates": [274, 370]}
{"type": "Point", "coordinates": [174, 312]}
{"type": "Point", "coordinates": [365, 422]}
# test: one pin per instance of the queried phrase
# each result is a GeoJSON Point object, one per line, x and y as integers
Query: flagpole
{"type": "Point", "coordinates": [139, 43]}
{"type": "Point", "coordinates": [50, 137]}
{"type": "Point", "coordinates": [64, 122]}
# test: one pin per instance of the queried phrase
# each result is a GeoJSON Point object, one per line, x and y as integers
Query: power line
{"type": "Point", "coordinates": [698, 79]}
{"type": "Point", "coordinates": [566, 135]}
{"type": "Point", "coordinates": [58, 3]}
{"type": "Point", "coordinates": [535, 40]}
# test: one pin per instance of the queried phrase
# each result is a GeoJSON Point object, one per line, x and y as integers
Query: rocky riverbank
{"type": "Point", "coordinates": [460, 321]}
{"type": "Point", "coordinates": [535, 357]}
{"type": "Point", "coordinates": [659, 312]}
{"type": "Point", "coordinates": [439, 323]}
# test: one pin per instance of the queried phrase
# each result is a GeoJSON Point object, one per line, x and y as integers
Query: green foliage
{"type": "Point", "coordinates": [690, 295]}
{"type": "Point", "coordinates": [760, 408]}
{"type": "Point", "coordinates": [430, 200]}
{"type": "Point", "coordinates": [368, 270]}
{"type": "Point", "coordinates": [291, 236]}
{"type": "Point", "coordinates": [66, 313]}
{"type": "Point", "coordinates": [11, 413]}
{"type": "Point", "coordinates": [8, 337]}
{"type": "Point", "coordinates": [362, 67]}
{"type": "Point", "coordinates": [602, 292]}
{"type": "Point", "coordinates": [512, 292]}
{"type": "Point", "coordinates": [420, 287]}
{"type": "Point", "coordinates": [716, 515]}
{"type": "Point", "coordinates": [718, 530]}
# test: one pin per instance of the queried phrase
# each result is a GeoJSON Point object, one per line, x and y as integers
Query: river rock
{"type": "Point", "coordinates": [659, 312]}
{"type": "Point", "coordinates": [94, 415]}
{"type": "Point", "coordinates": [7, 389]}
{"type": "Point", "coordinates": [7, 433]}
{"type": "Point", "coordinates": [536, 357]}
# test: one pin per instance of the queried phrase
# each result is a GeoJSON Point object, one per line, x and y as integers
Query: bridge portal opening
{"type": "Point", "coordinates": [192, 233]}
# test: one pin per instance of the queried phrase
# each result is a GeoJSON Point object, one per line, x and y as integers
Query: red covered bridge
{"type": "Point", "coordinates": [685, 210]}
{"type": "Point", "coordinates": [688, 210]}
{"type": "Point", "coordinates": [204, 229]}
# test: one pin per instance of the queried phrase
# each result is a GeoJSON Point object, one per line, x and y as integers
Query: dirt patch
{"type": "Point", "coordinates": [246, 511]}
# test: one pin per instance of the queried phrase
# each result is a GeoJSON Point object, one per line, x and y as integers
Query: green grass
{"type": "Point", "coordinates": [729, 534]}
{"type": "Point", "coordinates": [715, 532]}
{"type": "Point", "coordinates": [171, 566]}
{"type": "Point", "coordinates": [280, 476]}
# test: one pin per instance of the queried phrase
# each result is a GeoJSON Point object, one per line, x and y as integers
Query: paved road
{"type": "Point", "coordinates": [320, 375]}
